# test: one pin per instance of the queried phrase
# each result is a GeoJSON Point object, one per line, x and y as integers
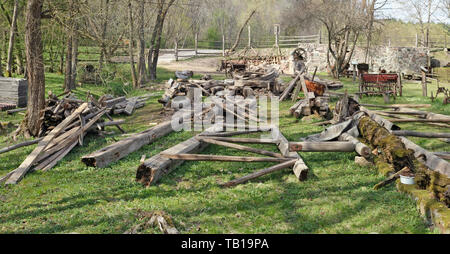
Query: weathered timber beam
{"type": "Point", "coordinates": [239, 147]}
{"type": "Point", "coordinates": [112, 153]}
{"type": "Point", "coordinates": [322, 146]}
{"type": "Point", "coordinates": [207, 157]}
{"type": "Point", "coordinates": [421, 134]}
{"type": "Point", "coordinates": [260, 173]}
{"type": "Point", "coordinates": [360, 148]}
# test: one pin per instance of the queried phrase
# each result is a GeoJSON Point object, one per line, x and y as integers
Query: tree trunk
{"type": "Point", "coordinates": [74, 62]}
{"type": "Point", "coordinates": [61, 58]}
{"type": "Point", "coordinates": [68, 72]}
{"type": "Point", "coordinates": [13, 29]}
{"type": "Point", "coordinates": [35, 66]}
{"type": "Point", "coordinates": [130, 47]}
{"type": "Point", "coordinates": [142, 78]}
{"type": "Point", "coordinates": [103, 54]}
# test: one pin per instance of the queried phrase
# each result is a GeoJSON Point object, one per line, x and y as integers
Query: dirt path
{"type": "Point", "coordinates": [203, 64]}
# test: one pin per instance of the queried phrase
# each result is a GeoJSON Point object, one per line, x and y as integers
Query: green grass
{"type": "Point", "coordinates": [337, 198]}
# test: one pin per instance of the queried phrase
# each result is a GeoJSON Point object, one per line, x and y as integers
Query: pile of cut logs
{"type": "Point", "coordinates": [122, 105]}
{"type": "Point", "coordinates": [259, 82]}
{"type": "Point", "coordinates": [314, 103]}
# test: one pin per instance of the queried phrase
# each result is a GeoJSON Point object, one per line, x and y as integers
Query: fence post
{"type": "Point", "coordinates": [196, 44]}
{"type": "Point", "coordinates": [277, 36]}
{"type": "Point", "coordinates": [249, 36]}
{"type": "Point", "coordinates": [445, 42]}
{"type": "Point", "coordinates": [223, 44]}
{"type": "Point", "coordinates": [417, 40]}
{"type": "Point", "coordinates": [176, 50]}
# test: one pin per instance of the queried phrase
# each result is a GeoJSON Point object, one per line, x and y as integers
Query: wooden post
{"type": "Point", "coordinates": [196, 44]}
{"type": "Point", "coordinates": [277, 36]}
{"type": "Point", "coordinates": [445, 42]}
{"type": "Point", "coordinates": [400, 85]}
{"type": "Point", "coordinates": [176, 51]}
{"type": "Point", "coordinates": [417, 40]}
{"type": "Point", "coordinates": [424, 84]}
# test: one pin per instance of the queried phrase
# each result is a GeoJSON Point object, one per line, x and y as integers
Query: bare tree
{"type": "Point", "coordinates": [422, 11]}
{"type": "Point", "coordinates": [130, 46]}
{"type": "Point", "coordinates": [142, 77]}
{"type": "Point", "coordinates": [35, 66]}
{"type": "Point", "coordinates": [155, 42]}
{"type": "Point", "coordinates": [12, 32]}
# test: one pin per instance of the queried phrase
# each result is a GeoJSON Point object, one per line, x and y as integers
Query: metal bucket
{"type": "Point", "coordinates": [408, 180]}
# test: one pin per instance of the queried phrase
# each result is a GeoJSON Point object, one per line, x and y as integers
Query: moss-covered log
{"type": "Point", "coordinates": [391, 148]}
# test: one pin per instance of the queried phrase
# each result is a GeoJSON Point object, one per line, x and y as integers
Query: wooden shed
{"type": "Point", "coordinates": [14, 91]}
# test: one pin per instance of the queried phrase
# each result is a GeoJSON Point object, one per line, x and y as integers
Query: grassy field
{"type": "Point", "coordinates": [337, 198]}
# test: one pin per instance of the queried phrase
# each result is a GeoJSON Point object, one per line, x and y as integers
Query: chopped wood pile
{"type": "Point", "coordinates": [247, 84]}
{"type": "Point", "coordinates": [123, 105]}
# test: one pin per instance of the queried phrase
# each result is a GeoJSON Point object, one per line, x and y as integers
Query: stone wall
{"type": "Point", "coordinates": [392, 59]}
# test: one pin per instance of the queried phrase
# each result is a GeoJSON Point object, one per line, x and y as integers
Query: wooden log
{"type": "Point", "coordinates": [288, 90]}
{"type": "Point", "coordinates": [153, 169]}
{"type": "Point", "coordinates": [231, 133]}
{"type": "Point", "coordinates": [207, 157]}
{"type": "Point", "coordinates": [129, 109]}
{"type": "Point", "coordinates": [12, 111]}
{"type": "Point", "coordinates": [443, 155]}
{"type": "Point", "coordinates": [31, 159]}
{"type": "Point", "coordinates": [295, 106]}
{"type": "Point", "coordinates": [420, 121]}
{"type": "Point", "coordinates": [390, 179]}
{"type": "Point", "coordinates": [239, 147]}
{"type": "Point", "coordinates": [321, 146]}
{"type": "Point", "coordinates": [360, 148]}
{"type": "Point", "coordinates": [421, 134]}
{"type": "Point", "coordinates": [430, 160]}
{"type": "Point", "coordinates": [119, 150]}
{"type": "Point", "coordinates": [260, 173]}
{"type": "Point", "coordinates": [111, 103]}
{"type": "Point", "coordinates": [17, 146]}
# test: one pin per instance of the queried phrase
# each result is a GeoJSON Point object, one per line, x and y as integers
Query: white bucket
{"type": "Point", "coordinates": [408, 180]}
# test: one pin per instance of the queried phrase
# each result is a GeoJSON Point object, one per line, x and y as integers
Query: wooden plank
{"type": "Point", "coordinates": [421, 134]}
{"type": "Point", "coordinates": [129, 109]}
{"type": "Point", "coordinates": [260, 173]}
{"type": "Point", "coordinates": [360, 148]}
{"type": "Point", "coordinates": [26, 165]}
{"type": "Point", "coordinates": [247, 140]}
{"type": "Point", "coordinates": [114, 152]}
{"type": "Point", "coordinates": [322, 146]}
{"type": "Point", "coordinates": [207, 157]}
{"type": "Point", "coordinates": [23, 144]}
{"type": "Point", "coordinates": [239, 147]}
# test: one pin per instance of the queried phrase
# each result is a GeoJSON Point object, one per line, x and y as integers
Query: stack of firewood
{"type": "Point", "coordinates": [123, 105]}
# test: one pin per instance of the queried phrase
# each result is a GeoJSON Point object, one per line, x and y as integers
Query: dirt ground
{"type": "Point", "coordinates": [202, 64]}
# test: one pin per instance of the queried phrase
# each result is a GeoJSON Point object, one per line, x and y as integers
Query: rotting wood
{"type": "Point", "coordinates": [156, 167]}
{"type": "Point", "coordinates": [322, 146]}
{"type": "Point", "coordinates": [26, 165]}
{"type": "Point", "coordinates": [114, 152]}
{"type": "Point", "coordinates": [421, 134]}
{"type": "Point", "coordinates": [239, 147]}
{"type": "Point", "coordinates": [360, 148]}
{"type": "Point", "coordinates": [260, 173]}
{"type": "Point", "coordinates": [207, 157]}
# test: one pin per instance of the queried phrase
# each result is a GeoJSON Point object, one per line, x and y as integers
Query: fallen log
{"type": "Point", "coordinates": [260, 173]}
{"type": "Point", "coordinates": [430, 160]}
{"type": "Point", "coordinates": [420, 121]}
{"type": "Point", "coordinates": [207, 157]}
{"type": "Point", "coordinates": [153, 169]}
{"type": "Point", "coordinates": [17, 146]}
{"type": "Point", "coordinates": [321, 147]}
{"type": "Point", "coordinates": [12, 111]}
{"type": "Point", "coordinates": [421, 134]}
{"type": "Point", "coordinates": [360, 148]}
{"type": "Point", "coordinates": [291, 86]}
{"type": "Point", "coordinates": [119, 150]}
{"type": "Point", "coordinates": [239, 147]}
{"type": "Point", "coordinates": [443, 155]}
